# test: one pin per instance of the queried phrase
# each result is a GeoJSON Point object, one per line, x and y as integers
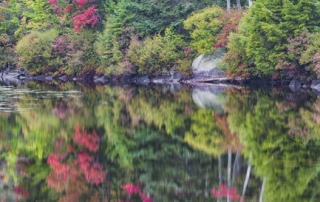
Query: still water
{"type": "Point", "coordinates": [71, 143]}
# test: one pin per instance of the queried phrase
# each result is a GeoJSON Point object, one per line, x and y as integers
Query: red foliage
{"type": "Point", "coordinates": [225, 192]}
{"type": "Point", "coordinates": [135, 189]}
{"type": "Point", "coordinates": [68, 8]}
{"type": "Point", "coordinates": [230, 23]}
{"type": "Point", "coordinates": [60, 169]}
{"type": "Point", "coordinates": [131, 189]}
{"type": "Point", "coordinates": [87, 18]}
{"type": "Point", "coordinates": [93, 171]}
{"type": "Point", "coordinates": [21, 192]}
{"type": "Point", "coordinates": [52, 2]}
{"type": "Point", "coordinates": [65, 168]}
{"type": "Point", "coordinates": [81, 17]}
{"type": "Point", "coordinates": [86, 139]}
{"type": "Point", "coordinates": [81, 2]}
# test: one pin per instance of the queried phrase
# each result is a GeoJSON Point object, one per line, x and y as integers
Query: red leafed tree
{"type": "Point", "coordinates": [65, 166]}
{"type": "Point", "coordinates": [230, 23]}
{"type": "Point", "coordinates": [136, 189]}
{"type": "Point", "coordinates": [87, 18]}
{"type": "Point", "coordinates": [93, 171]}
{"type": "Point", "coordinates": [83, 12]}
{"type": "Point", "coordinates": [89, 140]}
{"type": "Point", "coordinates": [224, 191]}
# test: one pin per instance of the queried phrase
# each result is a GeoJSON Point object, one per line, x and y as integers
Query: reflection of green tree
{"type": "Point", "coordinates": [162, 109]}
{"type": "Point", "coordinates": [111, 117]}
{"type": "Point", "coordinates": [285, 161]}
{"type": "Point", "coordinates": [205, 133]}
{"type": "Point", "coordinates": [308, 127]}
{"type": "Point", "coordinates": [169, 169]}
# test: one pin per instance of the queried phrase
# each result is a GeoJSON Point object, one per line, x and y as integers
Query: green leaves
{"type": "Point", "coordinates": [263, 32]}
{"type": "Point", "coordinates": [203, 28]}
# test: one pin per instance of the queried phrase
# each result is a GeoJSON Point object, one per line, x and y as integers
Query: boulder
{"type": "Point", "coordinates": [295, 85]}
{"type": "Point", "coordinates": [209, 97]}
{"type": "Point", "coordinates": [63, 78]}
{"type": "Point", "coordinates": [160, 78]}
{"type": "Point", "coordinates": [48, 78]}
{"type": "Point", "coordinates": [143, 79]}
{"type": "Point", "coordinates": [205, 67]}
{"type": "Point", "coordinates": [315, 84]}
{"type": "Point", "coordinates": [39, 77]}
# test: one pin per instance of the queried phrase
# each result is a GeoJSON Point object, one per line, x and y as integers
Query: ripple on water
{"type": "Point", "coordinates": [9, 95]}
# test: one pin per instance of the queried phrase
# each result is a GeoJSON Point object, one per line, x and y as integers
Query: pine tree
{"type": "Point", "coordinates": [263, 32]}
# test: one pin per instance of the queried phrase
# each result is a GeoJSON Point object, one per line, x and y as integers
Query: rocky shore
{"type": "Point", "coordinates": [205, 70]}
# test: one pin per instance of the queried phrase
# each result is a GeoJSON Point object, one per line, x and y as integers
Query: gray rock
{"type": "Point", "coordinates": [63, 78]}
{"type": "Point", "coordinates": [295, 85]}
{"type": "Point", "coordinates": [205, 67]}
{"type": "Point", "coordinates": [176, 77]}
{"type": "Point", "coordinates": [39, 77]}
{"type": "Point", "coordinates": [99, 78]}
{"type": "Point", "coordinates": [209, 97]}
{"type": "Point", "coordinates": [161, 79]}
{"type": "Point", "coordinates": [315, 84]}
{"type": "Point", "coordinates": [48, 78]}
{"type": "Point", "coordinates": [143, 79]}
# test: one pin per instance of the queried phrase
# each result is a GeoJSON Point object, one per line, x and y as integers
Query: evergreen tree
{"type": "Point", "coordinates": [263, 32]}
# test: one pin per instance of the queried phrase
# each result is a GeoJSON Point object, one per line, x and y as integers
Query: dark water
{"type": "Point", "coordinates": [125, 143]}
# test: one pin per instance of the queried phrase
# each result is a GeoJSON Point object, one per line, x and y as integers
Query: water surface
{"type": "Point", "coordinates": [67, 142]}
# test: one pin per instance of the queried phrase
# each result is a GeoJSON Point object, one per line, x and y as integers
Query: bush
{"type": "Point", "coordinates": [311, 55]}
{"type": "Point", "coordinates": [35, 53]}
{"type": "Point", "coordinates": [6, 51]}
{"type": "Point", "coordinates": [157, 54]}
{"type": "Point", "coordinates": [80, 54]}
{"type": "Point", "coordinates": [204, 27]}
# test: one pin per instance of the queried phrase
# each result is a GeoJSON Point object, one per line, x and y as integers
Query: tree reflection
{"type": "Point", "coordinates": [136, 144]}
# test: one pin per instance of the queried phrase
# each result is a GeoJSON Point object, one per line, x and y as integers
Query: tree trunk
{"type": "Point", "coordinates": [228, 6]}
{"type": "Point", "coordinates": [262, 190]}
{"type": "Point", "coordinates": [246, 181]}
{"type": "Point", "coordinates": [229, 172]}
{"type": "Point", "coordinates": [238, 4]}
{"type": "Point", "coordinates": [250, 3]}
{"type": "Point", "coordinates": [220, 175]}
{"type": "Point", "coordinates": [236, 166]}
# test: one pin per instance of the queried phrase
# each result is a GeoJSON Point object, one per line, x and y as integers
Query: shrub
{"type": "Point", "coordinates": [80, 55]}
{"type": "Point", "coordinates": [156, 54]}
{"type": "Point", "coordinates": [310, 56]}
{"type": "Point", "coordinates": [230, 23]}
{"type": "Point", "coordinates": [6, 50]}
{"type": "Point", "coordinates": [204, 27]}
{"type": "Point", "coordinates": [35, 53]}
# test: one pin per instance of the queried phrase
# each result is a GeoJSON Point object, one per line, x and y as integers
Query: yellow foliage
{"type": "Point", "coordinates": [203, 27]}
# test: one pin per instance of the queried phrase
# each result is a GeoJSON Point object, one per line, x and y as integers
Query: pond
{"type": "Point", "coordinates": [72, 142]}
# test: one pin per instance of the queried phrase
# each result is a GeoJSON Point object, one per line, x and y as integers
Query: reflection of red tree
{"type": "Point", "coordinates": [93, 171]}
{"type": "Point", "coordinates": [232, 139]}
{"type": "Point", "coordinates": [135, 189]}
{"type": "Point", "coordinates": [86, 139]}
{"type": "Point", "coordinates": [20, 192]}
{"type": "Point", "coordinates": [225, 192]}
{"type": "Point", "coordinates": [66, 176]}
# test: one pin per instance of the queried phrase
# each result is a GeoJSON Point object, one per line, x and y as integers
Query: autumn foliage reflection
{"type": "Point", "coordinates": [224, 191]}
{"type": "Point", "coordinates": [132, 189]}
{"type": "Point", "coordinates": [73, 171]}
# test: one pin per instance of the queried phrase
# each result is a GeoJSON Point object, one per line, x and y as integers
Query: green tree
{"type": "Point", "coordinates": [263, 33]}
{"type": "Point", "coordinates": [203, 27]}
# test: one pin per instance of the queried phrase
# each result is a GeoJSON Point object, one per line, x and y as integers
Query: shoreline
{"type": "Point", "coordinates": [17, 76]}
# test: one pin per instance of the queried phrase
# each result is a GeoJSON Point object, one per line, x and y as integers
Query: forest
{"type": "Point", "coordinates": [263, 38]}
